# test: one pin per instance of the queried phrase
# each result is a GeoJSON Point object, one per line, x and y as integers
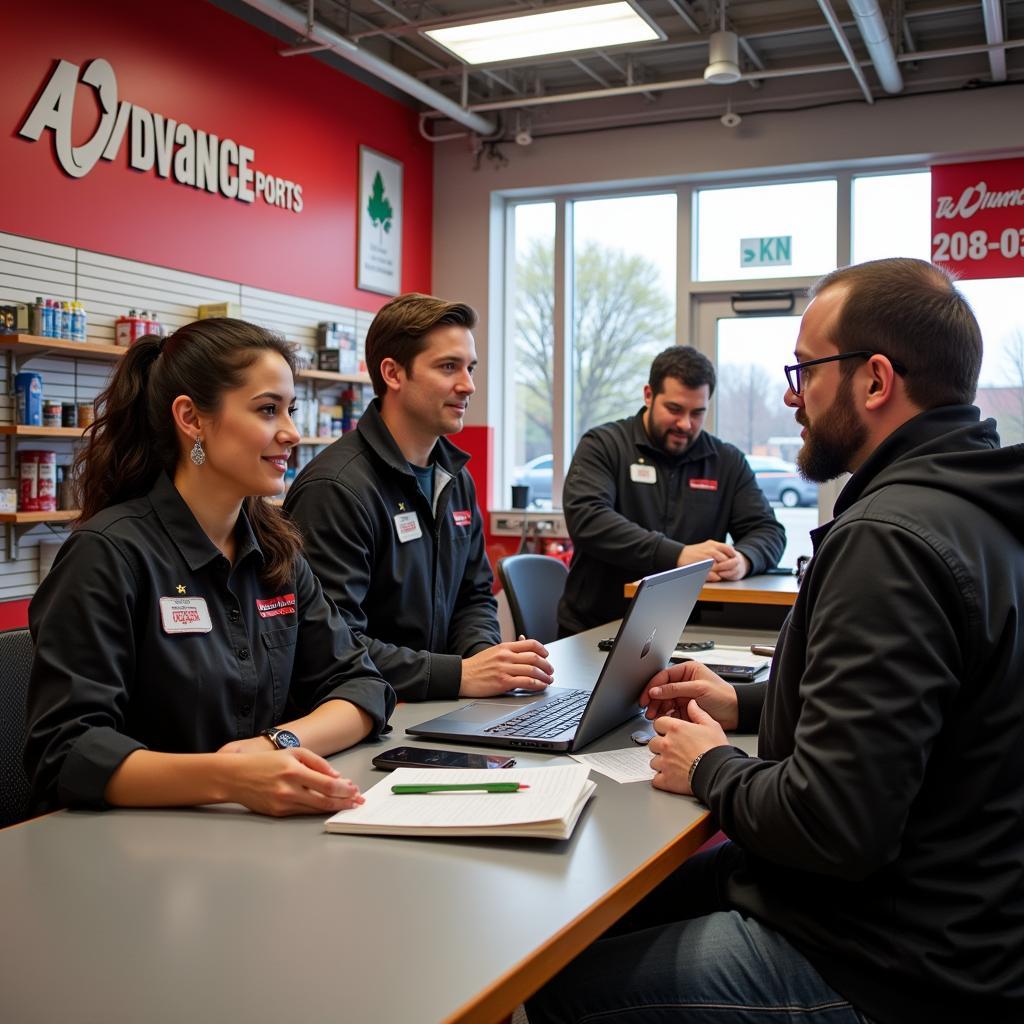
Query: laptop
{"type": "Point", "coordinates": [563, 719]}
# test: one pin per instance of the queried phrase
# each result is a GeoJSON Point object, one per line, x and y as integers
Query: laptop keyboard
{"type": "Point", "coordinates": [547, 719]}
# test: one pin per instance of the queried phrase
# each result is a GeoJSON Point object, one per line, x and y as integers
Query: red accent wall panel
{"type": "Point", "coordinates": [205, 68]}
{"type": "Point", "coordinates": [13, 614]}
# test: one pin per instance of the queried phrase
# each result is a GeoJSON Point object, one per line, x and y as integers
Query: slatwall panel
{"type": "Point", "coordinates": [108, 287]}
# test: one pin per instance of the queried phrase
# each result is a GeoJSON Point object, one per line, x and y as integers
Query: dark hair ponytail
{"type": "Point", "coordinates": [134, 439]}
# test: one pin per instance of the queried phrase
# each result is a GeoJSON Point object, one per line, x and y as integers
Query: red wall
{"type": "Point", "coordinates": [192, 62]}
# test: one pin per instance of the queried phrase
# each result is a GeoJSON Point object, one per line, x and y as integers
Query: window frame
{"type": "Point", "coordinates": [692, 297]}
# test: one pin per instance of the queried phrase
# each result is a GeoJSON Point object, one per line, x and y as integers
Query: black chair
{"type": "Point", "coordinates": [16, 653]}
{"type": "Point", "coordinates": [534, 585]}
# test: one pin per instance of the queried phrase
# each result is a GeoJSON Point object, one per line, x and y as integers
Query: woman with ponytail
{"type": "Point", "coordinates": [185, 654]}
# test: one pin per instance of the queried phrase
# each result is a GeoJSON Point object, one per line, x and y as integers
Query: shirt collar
{"type": "Point", "coordinates": [375, 433]}
{"type": "Point", "coordinates": [189, 537]}
{"type": "Point", "coordinates": [700, 449]}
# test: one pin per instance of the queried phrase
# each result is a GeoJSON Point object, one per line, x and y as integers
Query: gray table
{"type": "Point", "coordinates": [216, 914]}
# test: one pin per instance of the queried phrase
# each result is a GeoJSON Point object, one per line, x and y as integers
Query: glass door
{"type": "Point", "coordinates": [750, 351]}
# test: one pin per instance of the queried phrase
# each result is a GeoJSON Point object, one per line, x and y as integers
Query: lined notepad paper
{"type": "Point", "coordinates": [548, 809]}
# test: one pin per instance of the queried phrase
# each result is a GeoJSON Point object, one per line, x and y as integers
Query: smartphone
{"type": "Point", "coordinates": [734, 673]}
{"type": "Point", "coordinates": [423, 757]}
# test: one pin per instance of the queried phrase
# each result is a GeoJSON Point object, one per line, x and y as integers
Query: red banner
{"type": "Point", "coordinates": [978, 218]}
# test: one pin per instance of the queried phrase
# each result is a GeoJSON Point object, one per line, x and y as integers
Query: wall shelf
{"type": "Point", "coordinates": [31, 346]}
{"type": "Point", "coordinates": [17, 523]}
{"type": "Point", "coordinates": [331, 376]}
{"type": "Point", "coordinates": [21, 430]}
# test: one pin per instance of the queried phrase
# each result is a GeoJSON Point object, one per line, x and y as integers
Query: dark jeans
{"type": "Point", "coordinates": [715, 966]}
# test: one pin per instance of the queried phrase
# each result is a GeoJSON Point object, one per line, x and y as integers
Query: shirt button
{"type": "Point", "coordinates": [234, 615]}
{"type": "Point", "coordinates": [243, 653]}
{"type": "Point", "coordinates": [246, 708]}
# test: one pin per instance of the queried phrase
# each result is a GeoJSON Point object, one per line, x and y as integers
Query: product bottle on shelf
{"type": "Point", "coordinates": [78, 322]}
{"type": "Point", "coordinates": [37, 323]}
{"type": "Point", "coordinates": [48, 319]}
{"type": "Point", "coordinates": [65, 321]}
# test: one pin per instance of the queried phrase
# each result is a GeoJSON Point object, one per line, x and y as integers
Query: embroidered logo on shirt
{"type": "Point", "coordinates": [268, 607]}
{"type": "Point", "coordinates": [462, 517]}
{"type": "Point", "coordinates": [703, 485]}
{"type": "Point", "coordinates": [185, 615]}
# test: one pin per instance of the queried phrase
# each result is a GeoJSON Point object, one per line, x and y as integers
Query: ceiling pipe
{"type": "Point", "coordinates": [993, 12]}
{"type": "Point", "coordinates": [844, 45]}
{"type": "Point", "coordinates": [876, 38]}
{"type": "Point", "coordinates": [296, 20]}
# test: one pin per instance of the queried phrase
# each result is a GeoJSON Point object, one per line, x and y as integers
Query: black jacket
{"type": "Point", "coordinates": [420, 606]}
{"type": "Point", "coordinates": [883, 824]}
{"type": "Point", "coordinates": [146, 637]}
{"type": "Point", "coordinates": [622, 529]}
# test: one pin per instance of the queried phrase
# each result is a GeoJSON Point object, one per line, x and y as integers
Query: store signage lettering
{"type": "Point", "coordinates": [978, 218]}
{"type": "Point", "coordinates": [157, 143]}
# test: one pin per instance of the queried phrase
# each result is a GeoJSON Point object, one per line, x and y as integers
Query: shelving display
{"type": "Point", "coordinates": [21, 348]}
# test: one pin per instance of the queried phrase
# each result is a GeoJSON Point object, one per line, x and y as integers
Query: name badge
{"type": "Point", "coordinates": [462, 517]}
{"type": "Point", "coordinates": [185, 615]}
{"type": "Point", "coordinates": [641, 474]}
{"type": "Point", "coordinates": [407, 525]}
{"type": "Point", "coordinates": [697, 484]}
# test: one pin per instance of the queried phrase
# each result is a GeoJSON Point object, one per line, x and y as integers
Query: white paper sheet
{"type": "Point", "coordinates": [630, 765]}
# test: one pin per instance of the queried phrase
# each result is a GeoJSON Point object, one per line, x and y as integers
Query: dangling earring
{"type": "Point", "coordinates": [197, 455]}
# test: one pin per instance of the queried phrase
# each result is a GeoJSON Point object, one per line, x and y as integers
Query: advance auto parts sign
{"type": "Point", "coordinates": [978, 218]}
{"type": "Point", "coordinates": [156, 143]}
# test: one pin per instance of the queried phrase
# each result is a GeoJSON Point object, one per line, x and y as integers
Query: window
{"type": "Point", "coordinates": [997, 306]}
{"type": "Point", "coordinates": [530, 361]}
{"type": "Point", "coordinates": [624, 283]}
{"type": "Point", "coordinates": [750, 414]}
{"type": "Point", "coordinates": [766, 231]}
{"type": "Point", "coordinates": [620, 284]}
{"type": "Point", "coordinates": [892, 216]}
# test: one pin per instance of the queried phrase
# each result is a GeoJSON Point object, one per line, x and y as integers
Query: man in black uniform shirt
{"type": "Point", "coordinates": [654, 491]}
{"type": "Point", "coordinates": [390, 521]}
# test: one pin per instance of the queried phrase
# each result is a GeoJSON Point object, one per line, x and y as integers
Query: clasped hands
{"type": "Point", "coordinates": [691, 708]}
{"type": "Point", "coordinates": [729, 564]}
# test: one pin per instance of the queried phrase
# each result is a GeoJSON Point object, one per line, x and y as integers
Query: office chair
{"type": "Point", "coordinates": [534, 585]}
{"type": "Point", "coordinates": [16, 653]}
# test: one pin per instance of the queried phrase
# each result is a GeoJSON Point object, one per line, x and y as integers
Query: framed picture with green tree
{"type": "Point", "coordinates": [379, 263]}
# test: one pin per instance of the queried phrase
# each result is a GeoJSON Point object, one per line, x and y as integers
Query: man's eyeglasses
{"type": "Point", "coordinates": [794, 373]}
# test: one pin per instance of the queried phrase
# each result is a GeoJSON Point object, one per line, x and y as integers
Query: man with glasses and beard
{"type": "Point", "coordinates": [875, 868]}
{"type": "Point", "coordinates": [654, 491]}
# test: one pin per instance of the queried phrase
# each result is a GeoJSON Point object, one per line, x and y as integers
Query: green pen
{"type": "Point", "coordinates": [460, 787]}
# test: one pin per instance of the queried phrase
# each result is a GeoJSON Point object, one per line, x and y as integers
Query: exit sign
{"type": "Point", "coordinates": [771, 251]}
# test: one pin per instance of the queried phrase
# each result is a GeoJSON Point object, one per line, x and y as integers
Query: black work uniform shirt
{"type": "Point", "coordinates": [631, 508]}
{"type": "Point", "coordinates": [147, 637]}
{"type": "Point", "coordinates": [410, 575]}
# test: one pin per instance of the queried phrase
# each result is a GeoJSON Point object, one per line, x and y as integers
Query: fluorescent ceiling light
{"type": "Point", "coordinates": [533, 35]}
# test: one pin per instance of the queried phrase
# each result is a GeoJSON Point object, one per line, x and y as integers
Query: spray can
{"type": "Point", "coordinates": [47, 330]}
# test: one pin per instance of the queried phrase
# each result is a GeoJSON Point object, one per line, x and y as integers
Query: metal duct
{"type": "Point", "coordinates": [317, 33]}
{"type": "Point", "coordinates": [993, 11]}
{"type": "Point", "coordinates": [876, 38]}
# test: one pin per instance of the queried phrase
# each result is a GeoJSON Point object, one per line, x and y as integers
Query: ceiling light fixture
{"type": "Point", "coordinates": [554, 31]}
{"type": "Point", "coordinates": [723, 54]}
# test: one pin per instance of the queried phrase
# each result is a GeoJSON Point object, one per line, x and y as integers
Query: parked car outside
{"type": "Point", "coordinates": [537, 475]}
{"type": "Point", "coordinates": [781, 481]}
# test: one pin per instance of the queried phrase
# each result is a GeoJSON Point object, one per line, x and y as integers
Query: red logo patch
{"type": "Point", "coordinates": [268, 607]}
{"type": "Point", "coordinates": [704, 485]}
{"type": "Point", "coordinates": [462, 517]}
